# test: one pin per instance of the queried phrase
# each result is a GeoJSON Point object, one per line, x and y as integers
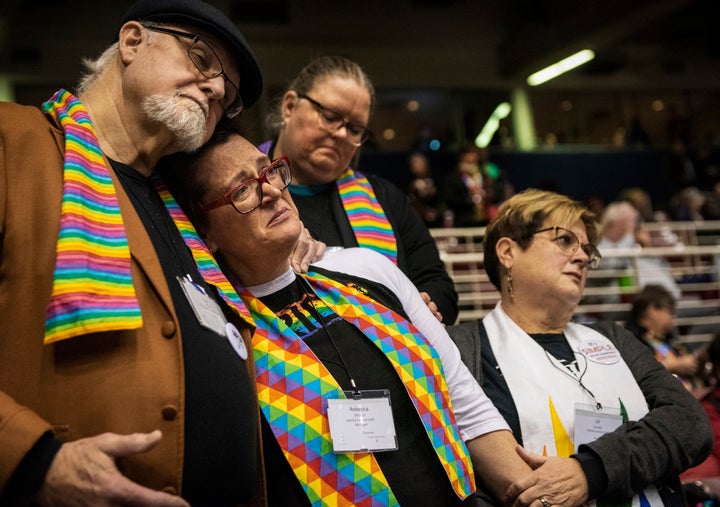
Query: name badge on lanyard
{"type": "Point", "coordinates": [205, 308]}
{"type": "Point", "coordinates": [592, 422]}
{"type": "Point", "coordinates": [363, 422]}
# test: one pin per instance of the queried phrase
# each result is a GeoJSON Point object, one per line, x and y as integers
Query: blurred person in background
{"type": "Point", "coordinates": [622, 228]}
{"type": "Point", "coordinates": [642, 202]}
{"type": "Point", "coordinates": [687, 205]}
{"type": "Point", "coordinates": [474, 189]}
{"type": "Point", "coordinates": [652, 320]}
{"type": "Point", "coordinates": [422, 191]}
{"type": "Point", "coordinates": [710, 400]}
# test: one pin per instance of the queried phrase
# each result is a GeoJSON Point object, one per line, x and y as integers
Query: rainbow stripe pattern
{"type": "Point", "coordinates": [292, 384]}
{"type": "Point", "coordinates": [367, 218]}
{"type": "Point", "coordinates": [92, 285]}
{"type": "Point", "coordinates": [206, 263]}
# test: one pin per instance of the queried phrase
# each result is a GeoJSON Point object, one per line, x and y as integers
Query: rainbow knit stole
{"type": "Point", "coordinates": [292, 384]}
{"type": "Point", "coordinates": [367, 218]}
{"type": "Point", "coordinates": [206, 263]}
{"type": "Point", "coordinates": [92, 286]}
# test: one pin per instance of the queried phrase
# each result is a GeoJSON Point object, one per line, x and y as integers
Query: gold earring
{"type": "Point", "coordinates": [508, 283]}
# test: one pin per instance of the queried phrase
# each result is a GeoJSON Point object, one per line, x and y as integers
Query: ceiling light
{"type": "Point", "coordinates": [560, 67]}
{"type": "Point", "coordinates": [488, 131]}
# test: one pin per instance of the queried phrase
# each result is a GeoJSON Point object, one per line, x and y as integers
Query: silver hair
{"type": "Point", "coordinates": [95, 66]}
{"type": "Point", "coordinates": [619, 211]}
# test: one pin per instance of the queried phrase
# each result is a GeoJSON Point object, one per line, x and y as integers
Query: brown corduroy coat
{"type": "Point", "coordinates": [122, 382]}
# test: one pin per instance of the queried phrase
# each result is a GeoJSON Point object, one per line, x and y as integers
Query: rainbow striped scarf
{"type": "Point", "coordinates": [367, 218]}
{"type": "Point", "coordinates": [292, 384]}
{"type": "Point", "coordinates": [206, 263]}
{"type": "Point", "coordinates": [92, 286]}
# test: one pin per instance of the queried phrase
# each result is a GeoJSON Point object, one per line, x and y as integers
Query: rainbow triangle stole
{"type": "Point", "coordinates": [292, 383]}
{"type": "Point", "coordinates": [92, 285]}
{"type": "Point", "coordinates": [367, 218]}
{"type": "Point", "coordinates": [206, 263]}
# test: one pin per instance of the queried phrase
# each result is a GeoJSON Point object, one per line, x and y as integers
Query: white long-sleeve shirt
{"type": "Point", "coordinates": [475, 413]}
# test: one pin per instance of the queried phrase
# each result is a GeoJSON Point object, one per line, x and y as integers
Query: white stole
{"type": "Point", "coordinates": [545, 392]}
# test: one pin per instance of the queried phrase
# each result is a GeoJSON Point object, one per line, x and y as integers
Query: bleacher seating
{"type": "Point", "coordinates": [689, 250]}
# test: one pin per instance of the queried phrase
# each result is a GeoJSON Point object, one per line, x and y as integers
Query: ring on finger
{"type": "Point", "coordinates": [544, 501]}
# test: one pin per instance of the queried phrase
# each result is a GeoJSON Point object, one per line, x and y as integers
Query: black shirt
{"type": "Point", "coordinates": [417, 254]}
{"type": "Point", "coordinates": [413, 471]}
{"type": "Point", "coordinates": [220, 458]}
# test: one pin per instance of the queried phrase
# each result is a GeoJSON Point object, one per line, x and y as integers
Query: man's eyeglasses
{"type": "Point", "coordinates": [248, 195]}
{"type": "Point", "coordinates": [332, 121]}
{"type": "Point", "coordinates": [206, 60]}
{"type": "Point", "coordinates": [569, 243]}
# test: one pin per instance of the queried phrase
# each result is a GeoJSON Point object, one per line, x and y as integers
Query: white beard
{"type": "Point", "coordinates": [184, 118]}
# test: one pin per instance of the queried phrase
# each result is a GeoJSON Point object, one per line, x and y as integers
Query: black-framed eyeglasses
{"type": "Point", "coordinates": [248, 195]}
{"type": "Point", "coordinates": [332, 121]}
{"type": "Point", "coordinates": [207, 61]}
{"type": "Point", "coordinates": [569, 243]}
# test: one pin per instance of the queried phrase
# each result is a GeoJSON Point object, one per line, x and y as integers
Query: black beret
{"type": "Point", "coordinates": [208, 18]}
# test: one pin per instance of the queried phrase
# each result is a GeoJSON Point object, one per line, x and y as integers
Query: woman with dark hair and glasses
{"type": "Point", "coordinates": [365, 399]}
{"type": "Point", "coordinates": [320, 123]}
{"type": "Point", "coordinates": [596, 415]}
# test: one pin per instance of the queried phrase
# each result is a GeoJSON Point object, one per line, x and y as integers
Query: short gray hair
{"type": "Point", "coordinates": [95, 66]}
{"type": "Point", "coordinates": [619, 211]}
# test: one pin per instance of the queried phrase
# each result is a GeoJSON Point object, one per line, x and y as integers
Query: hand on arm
{"type": "Point", "coordinates": [84, 473]}
{"type": "Point", "coordinates": [560, 481]}
{"type": "Point", "coordinates": [431, 306]}
{"type": "Point", "coordinates": [307, 250]}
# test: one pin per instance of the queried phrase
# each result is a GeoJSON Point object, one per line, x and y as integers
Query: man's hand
{"type": "Point", "coordinates": [560, 481]}
{"type": "Point", "coordinates": [83, 473]}
{"type": "Point", "coordinates": [432, 306]}
{"type": "Point", "coordinates": [307, 250]}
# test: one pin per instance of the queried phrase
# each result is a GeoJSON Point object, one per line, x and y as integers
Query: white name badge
{"type": "Point", "coordinates": [363, 422]}
{"type": "Point", "coordinates": [592, 423]}
{"type": "Point", "coordinates": [206, 310]}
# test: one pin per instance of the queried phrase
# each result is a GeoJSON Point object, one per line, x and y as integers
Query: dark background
{"type": "Point", "coordinates": [658, 62]}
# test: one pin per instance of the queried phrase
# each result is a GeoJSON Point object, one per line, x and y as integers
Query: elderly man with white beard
{"type": "Point", "coordinates": [119, 383]}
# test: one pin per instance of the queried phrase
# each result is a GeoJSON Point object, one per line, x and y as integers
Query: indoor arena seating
{"type": "Point", "coordinates": [686, 254]}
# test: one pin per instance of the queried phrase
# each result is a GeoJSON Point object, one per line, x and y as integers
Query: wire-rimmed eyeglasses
{"type": "Point", "coordinates": [332, 121]}
{"type": "Point", "coordinates": [569, 243]}
{"type": "Point", "coordinates": [207, 61]}
{"type": "Point", "coordinates": [248, 195]}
